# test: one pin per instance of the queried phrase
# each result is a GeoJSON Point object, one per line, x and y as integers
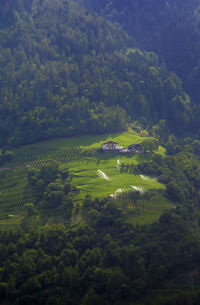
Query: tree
{"type": "Point", "coordinates": [8, 155]}
{"type": "Point", "coordinates": [90, 298]}
{"type": "Point", "coordinates": [149, 145]}
{"type": "Point", "coordinates": [53, 198]}
{"type": "Point", "coordinates": [67, 205]}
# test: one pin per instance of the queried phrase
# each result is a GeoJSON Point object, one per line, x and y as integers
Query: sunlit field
{"type": "Point", "coordinates": [105, 178]}
{"type": "Point", "coordinates": [92, 171]}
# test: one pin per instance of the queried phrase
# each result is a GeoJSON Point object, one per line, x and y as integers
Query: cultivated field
{"type": "Point", "coordinates": [71, 150]}
{"type": "Point", "coordinates": [104, 178]}
{"type": "Point", "coordinates": [93, 172]}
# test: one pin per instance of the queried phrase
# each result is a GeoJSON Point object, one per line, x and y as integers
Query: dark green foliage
{"type": "Point", "coordinates": [103, 259]}
{"type": "Point", "coordinates": [180, 173]}
{"type": "Point", "coordinates": [170, 28]}
{"type": "Point", "coordinates": [105, 264]}
{"type": "Point", "coordinates": [52, 188]}
{"type": "Point", "coordinates": [6, 156]}
{"type": "Point", "coordinates": [65, 71]}
{"type": "Point", "coordinates": [76, 73]}
{"type": "Point", "coordinates": [149, 145]}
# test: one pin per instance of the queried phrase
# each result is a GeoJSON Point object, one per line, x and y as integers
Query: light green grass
{"type": "Point", "coordinates": [161, 151]}
{"type": "Point", "coordinates": [80, 156]}
{"type": "Point", "coordinates": [90, 141]}
{"type": "Point", "coordinates": [88, 181]}
{"type": "Point", "coordinates": [69, 149]}
{"type": "Point", "coordinates": [123, 139]}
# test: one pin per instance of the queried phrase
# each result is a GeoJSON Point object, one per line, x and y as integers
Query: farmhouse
{"type": "Point", "coordinates": [110, 145]}
{"type": "Point", "coordinates": [135, 148]}
{"type": "Point", "coordinates": [113, 146]}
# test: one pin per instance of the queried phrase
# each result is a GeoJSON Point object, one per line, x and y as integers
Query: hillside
{"type": "Point", "coordinates": [169, 28]}
{"type": "Point", "coordinates": [78, 73]}
{"type": "Point", "coordinates": [137, 247]}
{"type": "Point", "coordinates": [99, 152]}
{"type": "Point", "coordinates": [87, 166]}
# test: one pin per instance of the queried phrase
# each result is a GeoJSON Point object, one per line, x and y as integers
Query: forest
{"type": "Point", "coordinates": [169, 28]}
{"type": "Point", "coordinates": [76, 73]}
{"type": "Point", "coordinates": [109, 68]}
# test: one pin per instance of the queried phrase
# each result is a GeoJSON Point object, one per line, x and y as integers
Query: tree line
{"type": "Point", "coordinates": [102, 261]}
{"type": "Point", "coordinates": [67, 71]}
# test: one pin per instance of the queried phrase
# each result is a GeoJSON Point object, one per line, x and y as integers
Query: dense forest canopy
{"type": "Point", "coordinates": [102, 262]}
{"type": "Point", "coordinates": [78, 73]}
{"type": "Point", "coordinates": [168, 27]}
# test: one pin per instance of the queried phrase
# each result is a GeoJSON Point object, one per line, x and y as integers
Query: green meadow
{"type": "Point", "coordinates": [70, 149]}
{"type": "Point", "coordinates": [105, 178]}
{"type": "Point", "coordinates": [93, 172]}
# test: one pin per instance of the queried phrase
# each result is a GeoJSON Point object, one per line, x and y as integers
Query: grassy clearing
{"type": "Point", "coordinates": [89, 180]}
{"type": "Point", "coordinates": [123, 139]}
{"type": "Point", "coordinates": [69, 149]}
{"type": "Point", "coordinates": [85, 164]}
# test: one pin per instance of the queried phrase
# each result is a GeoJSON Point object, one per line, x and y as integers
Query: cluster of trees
{"type": "Point", "coordinates": [169, 28]}
{"type": "Point", "coordinates": [103, 261]}
{"type": "Point", "coordinates": [180, 173]}
{"type": "Point", "coordinates": [67, 71]}
{"type": "Point", "coordinates": [149, 145]}
{"type": "Point", "coordinates": [5, 155]}
{"type": "Point", "coordinates": [52, 189]}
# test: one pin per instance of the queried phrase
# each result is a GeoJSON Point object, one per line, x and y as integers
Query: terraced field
{"type": "Point", "coordinates": [93, 172]}
{"type": "Point", "coordinates": [14, 195]}
{"type": "Point", "coordinates": [104, 178]}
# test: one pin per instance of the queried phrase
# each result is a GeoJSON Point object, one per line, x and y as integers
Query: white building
{"type": "Point", "coordinates": [110, 145]}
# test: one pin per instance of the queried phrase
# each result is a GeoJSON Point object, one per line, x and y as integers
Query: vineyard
{"type": "Point", "coordinates": [144, 211]}
{"type": "Point", "coordinates": [85, 162]}
{"type": "Point", "coordinates": [13, 195]}
{"type": "Point", "coordinates": [34, 156]}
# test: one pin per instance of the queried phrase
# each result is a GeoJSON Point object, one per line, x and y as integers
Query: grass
{"type": "Point", "coordinates": [123, 139]}
{"type": "Point", "coordinates": [149, 211]}
{"type": "Point", "coordinates": [68, 149]}
{"type": "Point", "coordinates": [80, 156]}
{"type": "Point", "coordinates": [89, 181]}
{"type": "Point", "coordinates": [13, 195]}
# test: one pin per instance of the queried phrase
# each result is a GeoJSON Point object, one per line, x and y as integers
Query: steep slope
{"type": "Point", "coordinates": [170, 28]}
{"type": "Point", "coordinates": [66, 71]}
